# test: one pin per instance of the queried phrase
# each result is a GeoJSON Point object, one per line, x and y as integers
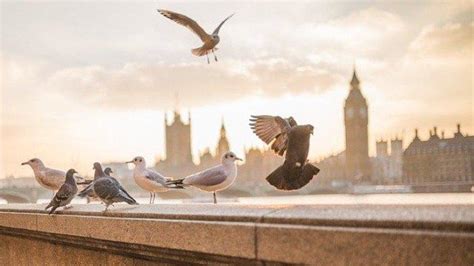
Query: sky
{"type": "Point", "coordinates": [85, 81]}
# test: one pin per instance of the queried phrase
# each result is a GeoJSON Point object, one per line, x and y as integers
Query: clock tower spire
{"type": "Point", "coordinates": [356, 122]}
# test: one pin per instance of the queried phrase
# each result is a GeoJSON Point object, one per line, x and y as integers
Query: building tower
{"type": "Point", "coordinates": [178, 141]}
{"type": "Point", "coordinates": [223, 144]}
{"type": "Point", "coordinates": [381, 148]}
{"type": "Point", "coordinates": [357, 137]}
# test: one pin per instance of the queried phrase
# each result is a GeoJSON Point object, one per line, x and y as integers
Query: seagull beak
{"type": "Point", "coordinates": [129, 162]}
{"type": "Point", "coordinates": [25, 163]}
{"type": "Point", "coordinates": [238, 159]}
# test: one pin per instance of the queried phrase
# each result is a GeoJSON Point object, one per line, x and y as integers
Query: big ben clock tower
{"type": "Point", "coordinates": [356, 121]}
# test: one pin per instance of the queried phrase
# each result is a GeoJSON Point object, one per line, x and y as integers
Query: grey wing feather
{"type": "Point", "coordinates": [272, 129]}
{"type": "Point", "coordinates": [155, 177]}
{"type": "Point", "coordinates": [106, 188]}
{"type": "Point", "coordinates": [216, 31]}
{"type": "Point", "coordinates": [54, 172]}
{"type": "Point", "coordinates": [64, 192]}
{"type": "Point", "coordinates": [187, 22]}
{"type": "Point", "coordinates": [209, 177]}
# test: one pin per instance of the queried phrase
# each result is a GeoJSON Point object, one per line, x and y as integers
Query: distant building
{"type": "Point", "coordinates": [179, 163]}
{"type": "Point", "coordinates": [258, 165]}
{"type": "Point", "coordinates": [356, 121]}
{"type": "Point", "coordinates": [387, 167]}
{"type": "Point", "coordinates": [439, 160]}
{"type": "Point", "coordinates": [333, 171]}
{"type": "Point", "coordinates": [353, 165]}
{"type": "Point", "coordinates": [179, 160]}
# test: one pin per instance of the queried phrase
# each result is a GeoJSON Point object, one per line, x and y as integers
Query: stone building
{"type": "Point", "coordinates": [258, 165]}
{"type": "Point", "coordinates": [333, 171]}
{"type": "Point", "coordinates": [387, 167]}
{"type": "Point", "coordinates": [356, 119]}
{"type": "Point", "coordinates": [439, 160]}
{"type": "Point", "coordinates": [351, 166]}
{"type": "Point", "coordinates": [179, 160]}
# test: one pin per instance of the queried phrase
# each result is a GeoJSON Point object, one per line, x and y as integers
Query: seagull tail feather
{"type": "Point", "coordinates": [199, 51]}
{"type": "Point", "coordinates": [177, 183]}
{"type": "Point", "coordinates": [286, 177]}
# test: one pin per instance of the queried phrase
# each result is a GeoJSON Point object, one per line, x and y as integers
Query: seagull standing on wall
{"type": "Point", "coordinates": [148, 179]}
{"type": "Point", "coordinates": [209, 40]}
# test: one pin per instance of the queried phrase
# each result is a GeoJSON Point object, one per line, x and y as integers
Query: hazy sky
{"type": "Point", "coordinates": [89, 81]}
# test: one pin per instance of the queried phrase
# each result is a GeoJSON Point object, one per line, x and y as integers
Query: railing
{"type": "Point", "coordinates": [236, 233]}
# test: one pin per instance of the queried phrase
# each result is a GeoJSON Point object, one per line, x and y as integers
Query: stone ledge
{"type": "Point", "coordinates": [281, 233]}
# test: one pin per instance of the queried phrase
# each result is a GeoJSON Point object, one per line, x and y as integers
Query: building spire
{"type": "Point", "coordinates": [355, 80]}
{"type": "Point", "coordinates": [223, 131]}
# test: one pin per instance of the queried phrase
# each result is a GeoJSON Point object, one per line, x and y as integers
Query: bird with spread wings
{"type": "Point", "coordinates": [292, 140]}
{"type": "Point", "coordinates": [209, 40]}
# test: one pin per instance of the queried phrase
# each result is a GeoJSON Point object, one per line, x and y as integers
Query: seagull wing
{"type": "Point", "coordinates": [210, 177]}
{"type": "Point", "coordinates": [272, 129]}
{"type": "Point", "coordinates": [54, 178]}
{"type": "Point", "coordinates": [216, 31]}
{"type": "Point", "coordinates": [156, 177]}
{"type": "Point", "coordinates": [187, 22]}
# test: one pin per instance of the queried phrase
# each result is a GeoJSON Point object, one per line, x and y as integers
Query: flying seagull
{"type": "Point", "coordinates": [214, 179]}
{"type": "Point", "coordinates": [286, 136]}
{"type": "Point", "coordinates": [109, 190]}
{"type": "Point", "coordinates": [148, 179]}
{"type": "Point", "coordinates": [209, 40]}
{"type": "Point", "coordinates": [48, 178]}
{"type": "Point", "coordinates": [65, 193]}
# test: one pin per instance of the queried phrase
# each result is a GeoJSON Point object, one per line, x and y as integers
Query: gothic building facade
{"type": "Point", "coordinates": [387, 166]}
{"type": "Point", "coordinates": [351, 166]}
{"type": "Point", "coordinates": [439, 159]}
{"type": "Point", "coordinates": [356, 122]}
{"type": "Point", "coordinates": [179, 161]}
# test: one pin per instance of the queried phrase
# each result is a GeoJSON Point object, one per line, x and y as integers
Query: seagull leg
{"type": "Point", "coordinates": [215, 57]}
{"type": "Point", "coordinates": [215, 199]}
{"type": "Point", "coordinates": [207, 55]}
{"type": "Point", "coordinates": [150, 198]}
{"type": "Point", "coordinates": [153, 201]}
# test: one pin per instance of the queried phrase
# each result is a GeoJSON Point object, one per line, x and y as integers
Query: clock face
{"type": "Point", "coordinates": [363, 112]}
{"type": "Point", "coordinates": [350, 113]}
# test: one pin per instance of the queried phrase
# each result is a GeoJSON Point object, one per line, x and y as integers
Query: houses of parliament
{"type": "Point", "coordinates": [437, 159]}
{"type": "Point", "coordinates": [179, 162]}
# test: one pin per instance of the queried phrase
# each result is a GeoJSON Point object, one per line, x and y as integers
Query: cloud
{"type": "Point", "coordinates": [452, 41]}
{"type": "Point", "coordinates": [153, 86]}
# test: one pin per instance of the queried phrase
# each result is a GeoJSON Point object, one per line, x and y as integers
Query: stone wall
{"type": "Point", "coordinates": [236, 233]}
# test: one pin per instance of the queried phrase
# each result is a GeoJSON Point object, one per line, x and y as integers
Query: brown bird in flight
{"type": "Point", "coordinates": [209, 40]}
{"type": "Point", "coordinates": [288, 138]}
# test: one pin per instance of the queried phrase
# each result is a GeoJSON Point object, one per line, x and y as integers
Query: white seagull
{"type": "Point", "coordinates": [148, 179]}
{"type": "Point", "coordinates": [48, 178]}
{"type": "Point", "coordinates": [214, 179]}
{"type": "Point", "coordinates": [209, 40]}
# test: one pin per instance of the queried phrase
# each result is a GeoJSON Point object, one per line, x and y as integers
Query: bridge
{"type": "Point", "coordinates": [24, 195]}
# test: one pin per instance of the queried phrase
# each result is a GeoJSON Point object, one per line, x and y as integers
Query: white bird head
{"type": "Point", "coordinates": [138, 161]}
{"type": "Point", "coordinates": [34, 163]}
{"type": "Point", "coordinates": [230, 157]}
